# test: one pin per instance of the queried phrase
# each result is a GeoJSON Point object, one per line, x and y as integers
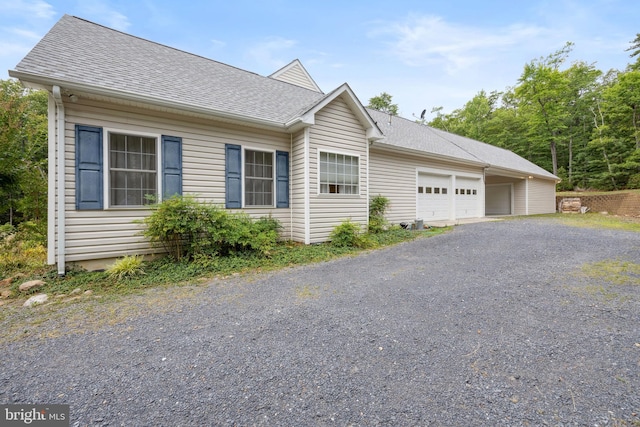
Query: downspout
{"type": "Point", "coordinates": [368, 144]}
{"type": "Point", "coordinates": [307, 198]}
{"type": "Point", "coordinates": [57, 96]}
{"type": "Point", "coordinates": [51, 188]}
{"type": "Point", "coordinates": [291, 187]}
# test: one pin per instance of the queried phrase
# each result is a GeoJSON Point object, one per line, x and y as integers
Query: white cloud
{"type": "Point", "coordinates": [431, 41]}
{"type": "Point", "coordinates": [30, 9]}
{"type": "Point", "coordinates": [103, 13]}
{"type": "Point", "coordinates": [266, 53]}
{"type": "Point", "coordinates": [217, 44]}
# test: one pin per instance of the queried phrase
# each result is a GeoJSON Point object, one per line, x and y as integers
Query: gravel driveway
{"type": "Point", "coordinates": [490, 324]}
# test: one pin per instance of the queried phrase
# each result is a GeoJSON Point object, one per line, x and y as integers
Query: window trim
{"type": "Point", "coordinates": [246, 148]}
{"type": "Point", "coordinates": [318, 173]}
{"type": "Point", "coordinates": [106, 159]}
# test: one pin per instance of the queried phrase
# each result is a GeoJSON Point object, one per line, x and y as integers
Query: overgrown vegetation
{"type": "Point", "coordinates": [349, 235]}
{"type": "Point", "coordinates": [127, 267]}
{"type": "Point", "coordinates": [22, 248]}
{"type": "Point", "coordinates": [189, 229]}
{"type": "Point", "coordinates": [377, 209]}
{"type": "Point", "coordinates": [166, 271]}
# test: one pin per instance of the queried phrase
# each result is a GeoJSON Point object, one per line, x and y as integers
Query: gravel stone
{"type": "Point", "coordinates": [490, 324]}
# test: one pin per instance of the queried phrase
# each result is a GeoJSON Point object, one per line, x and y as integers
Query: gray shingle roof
{"type": "Point", "coordinates": [82, 52]}
{"type": "Point", "coordinates": [409, 134]}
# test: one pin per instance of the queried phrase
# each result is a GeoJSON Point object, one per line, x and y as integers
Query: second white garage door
{"type": "Point", "coordinates": [467, 197]}
{"type": "Point", "coordinates": [434, 197]}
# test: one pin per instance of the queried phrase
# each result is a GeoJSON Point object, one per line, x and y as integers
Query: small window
{"type": "Point", "coordinates": [427, 190]}
{"type": "Point", "coordinates": [468, 191]}
{"type": "Point", "coordinates": [132, 170]}
{"type": "Point", "coordinates": [444, 190]}
{"type": "Point", "coordinates": [339, 174]}
{"type": "Point", "coordinates": [436, 190]}
{"type": "Point", "coordinates": [475, 192]}
{"type": "Point", "coordinates": [258, 181]}
{"type": "Point", "coordinates": [420, 190]}
{"type": "Point", "coordinates": [457, 191]}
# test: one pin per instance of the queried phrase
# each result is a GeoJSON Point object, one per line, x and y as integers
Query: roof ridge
{"type": "Point", "coordinates": [431, 129]}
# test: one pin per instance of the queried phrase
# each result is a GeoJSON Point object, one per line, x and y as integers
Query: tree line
{"type": "Point", "coordinates": [576, 121]}
{"type": "Point", "coordinates": [23, 154]}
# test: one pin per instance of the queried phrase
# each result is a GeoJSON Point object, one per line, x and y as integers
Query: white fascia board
{"type": "Point", "coordinates": [381, 145]}
{"type": "Point", "coordinates": [515, 173]}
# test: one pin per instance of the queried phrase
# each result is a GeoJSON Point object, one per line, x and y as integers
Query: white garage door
{"type": "Point", "coordinates": [498, 199]}
{"type": "Point", "coordinates": [433, 197]}
{"type": "Point", "coordinates": [467, 197]}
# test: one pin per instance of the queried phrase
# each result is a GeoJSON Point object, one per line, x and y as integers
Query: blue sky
{"type": "Point", "coordinates": [424, 53]}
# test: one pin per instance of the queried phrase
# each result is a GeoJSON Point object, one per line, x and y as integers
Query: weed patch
{"type": "Point", "coordinates": [609, 281]}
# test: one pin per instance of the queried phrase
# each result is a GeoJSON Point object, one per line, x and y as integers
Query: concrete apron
{"type": "Point", "coordinates": [461, 221]}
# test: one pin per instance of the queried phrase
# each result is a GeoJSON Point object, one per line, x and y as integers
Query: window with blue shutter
{"type": "Point", "coordinates": [282, 179]}
{"type": "Point", "coordinates": [233, 176]}
{"type": "Point", "coordinates": [171, 166]}
{"type": "Point", "coordinates": [89, 177]}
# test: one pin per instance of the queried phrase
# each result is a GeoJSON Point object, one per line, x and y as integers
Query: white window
{"type": "Point", "coordinates": [339, 174]}
{"type": "Point", "coordinates": [258, 178]}
{"type": "Point", "coordinates": [133, 175]}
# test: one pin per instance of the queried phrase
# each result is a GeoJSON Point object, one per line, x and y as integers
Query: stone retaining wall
{"type": "Point", "coordinates": [625, 204]}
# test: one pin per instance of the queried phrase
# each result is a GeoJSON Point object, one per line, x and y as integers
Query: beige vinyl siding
{"type": "Point", "coordinates": [298, 187]}
{"type": "Point", "coordinates": [336, 130]}
{"type": "Point", "coordinates": [296, 76]}
{"type": "Point", "coordinates": [520, 197]}
{"type": "Point", "coordinates": [542, 196]}
{"type": "Point", "coordinates": [111, 232]}
{"type": "Point", "coordinates": [393, 175]}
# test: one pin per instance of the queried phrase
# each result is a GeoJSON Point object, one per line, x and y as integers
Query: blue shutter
{"type": "Point", "coordinates": [171, 166]}
{"type": "Point", "coordinates": [233, 176]}
{"type": "Point", "coordinates": [282, 179]}
{"type": "Point", "coordinates": [89, 179]}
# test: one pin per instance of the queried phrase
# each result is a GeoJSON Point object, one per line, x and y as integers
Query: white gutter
{"type": "Point", "coordinates": [57, 96]}
{"type": "Point", "coordinates": [167, 104]}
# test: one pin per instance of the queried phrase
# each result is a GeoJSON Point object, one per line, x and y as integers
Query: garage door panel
{"type": "Point", "coordinates": [498, 200]}
{"type": "Point", "coordinates": [433, 196]}
{"type": "Point", "coordinates": [467, 197]}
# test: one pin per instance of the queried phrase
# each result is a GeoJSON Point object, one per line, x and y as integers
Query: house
{"type": "Point", "coordinates": [130, 118]}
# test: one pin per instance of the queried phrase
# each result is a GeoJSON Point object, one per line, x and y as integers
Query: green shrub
{"type": "Point", "coordinates": [126, 268]}
{"type": "Point", "coordinates": [23, 249]}
{"type": "Point", "coordinates": [634, 181]}
{"type": "Point", "coordinates": [348, 235]}
{"type": "Point", "coordinates": [377, 208]}
{"type": "Point", "coordinates": [173, 223]}
{"type": "Point", "coordinates": [187, 229]}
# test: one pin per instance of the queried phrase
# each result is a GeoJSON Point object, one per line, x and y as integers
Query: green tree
{"type": "Point", "coordinates": [23, 153]}
{"type": "Point", "coordinates": [542, 92]}
{"type": "Point", "coordinates": [383, 102]}
{"type": "Point", "coordinates": [635, 52]}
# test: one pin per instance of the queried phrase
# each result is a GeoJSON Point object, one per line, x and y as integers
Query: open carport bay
{"type": "Point", "coordinates": [494, 323]}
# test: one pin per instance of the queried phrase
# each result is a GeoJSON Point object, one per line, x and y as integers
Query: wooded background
{"type": "Point", "coordinates": [579, 122]}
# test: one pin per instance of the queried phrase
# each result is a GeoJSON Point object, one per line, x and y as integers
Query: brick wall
{"type": "Point", "coordinates": [626, 204]}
